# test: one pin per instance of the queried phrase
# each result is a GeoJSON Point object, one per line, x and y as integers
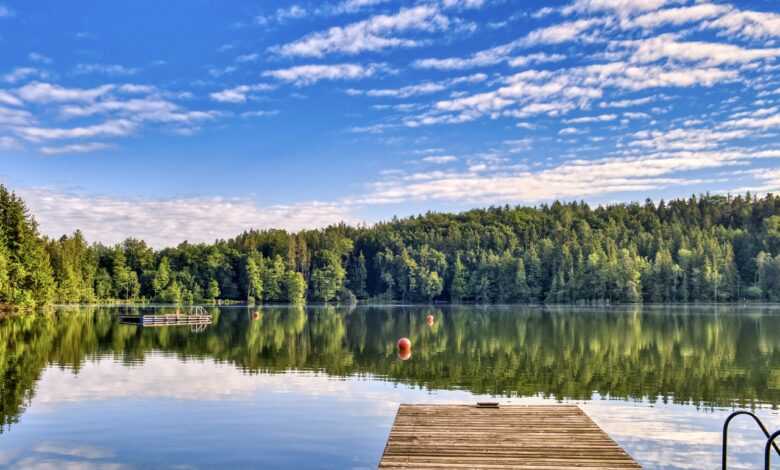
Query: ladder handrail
{"type": "Point", "coordinates": [770, 439]}
{"type": "Point", "coordinates": [770, 442]}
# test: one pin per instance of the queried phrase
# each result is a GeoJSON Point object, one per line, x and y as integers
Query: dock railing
{"type": "Point", "coordinates": [770, 439]}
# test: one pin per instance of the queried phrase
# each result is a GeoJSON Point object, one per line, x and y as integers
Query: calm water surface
{"type": "Point", "coordinates": [318, 387]}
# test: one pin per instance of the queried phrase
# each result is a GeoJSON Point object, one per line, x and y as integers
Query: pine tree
{"type": "Point", "coordinates": [30, 279]}
{"type": "Point", "coordinates": [162, 278]}
{"type": "Point", "coordinates": [358, 277]}
{"type": "Point", "coordinates": [458, 280]}
{"type": "Point", "coordinates": [213, 290]}
{"type": "Point", "coordinates": [254, 281]}
{"type": "Point", "coordinates": [295, 286]}
{"type": "Point", "coordinates": [520, 288]}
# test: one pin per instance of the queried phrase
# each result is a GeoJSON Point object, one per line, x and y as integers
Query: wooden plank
{"type": "Point", "coordinates": [167, 320]}
{"type": "Point", "coordinates": [542, 437]}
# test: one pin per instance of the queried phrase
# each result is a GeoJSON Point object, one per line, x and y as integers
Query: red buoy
{"type": "Point", "coordinates": [404, 344]}
{"type": "Point", "coordinates": [429, 320]}
{"type": "Point", "coordinates": [404, 354]}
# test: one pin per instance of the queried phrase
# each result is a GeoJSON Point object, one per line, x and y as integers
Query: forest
{"type": "Point", "coordinates": [708, 248]}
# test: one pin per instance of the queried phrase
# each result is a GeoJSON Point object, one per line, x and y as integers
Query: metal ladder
{"type": "Point", "coordinates": [770, 438]}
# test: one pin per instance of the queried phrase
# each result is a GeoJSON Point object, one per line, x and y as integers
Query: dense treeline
{"type": "Point", "coordinates": [728, 359]}
{"type": "Point", "coordinates": [708, 248]}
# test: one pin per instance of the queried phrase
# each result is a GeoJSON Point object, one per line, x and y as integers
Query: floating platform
{"type": "Point", "coordinates": [500, 437]}
{"type": "Point", "coordinates": [166, 320]}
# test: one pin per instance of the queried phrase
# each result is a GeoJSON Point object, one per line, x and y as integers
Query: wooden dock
{"type": "Point", "coordinates": [166, 320]}
{"type": "Point", "coordinates": [509, 436]}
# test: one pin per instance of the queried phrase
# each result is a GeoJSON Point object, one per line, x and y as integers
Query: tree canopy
{"type": "Point", "coordinates": [706, 248]}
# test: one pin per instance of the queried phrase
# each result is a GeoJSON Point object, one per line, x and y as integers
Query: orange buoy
{"type": "Point", "coordinates": [404, 354]}
{"type": "Point", "coordinates": [429, 320]}
{"type": "Point", "coordinates": [404, 344]}
{"type": "Point", "coordinates": [256, 316]}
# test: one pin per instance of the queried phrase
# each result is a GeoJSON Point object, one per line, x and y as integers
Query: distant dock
{"type": "Point", "coordinates": [492, 437]}
{"type": "Point", "coordinates": [199, 317]}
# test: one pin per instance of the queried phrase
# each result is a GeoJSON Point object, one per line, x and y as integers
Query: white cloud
{"type": "Point", "coordinates": [488, 57]}
{"type": "Point", "coordinates": [22, 73]}
{"type": "Point", "coordinates": [113, 70]}
{"type": "Point", "coordinates": [260, 113]}
{"type": "Point", "coordinates": [420, 88]}
{"type": "Point", "coordinates": [282, 15]}
{"type": "Point", "coordinates": [38, 92]}
{"type": "Point", "coordinates": [463, 3]}
{"type": "Point", "coordinates": [9, 99]}
{"type": "Point", "coordinates": [636, 115]}
{"type": "Point", "coordinates": [570, 131]}
{"type": "Point", "coordinates": [676, 16]}
{"type": "Point", "coordinates": [371, 129]}
{"type": "Point", "coordinates": [15, 117]}
{"type": "Point", "coordinates": [113, 128]}
{"type": "Point", "coordinates": [9, 143]}
{"type": "Point", "coordinates": [439, 159]}
{"type": "Point", "coordinates": [110, 220]}
{"type": "Point", "coordinates": [571, 179]}
{"type": "Point", "coordinates": [556, 92]}
{"type": "Point", "coordinates": [589, 119]}
{"type": "Point", "coordinates": [244, 58]}
{"type": "Point", "coordinates": [483, 58]}
{"type": "Point", "coordinates": [352, 6]}
{"type": "Point", "coordinates": [238, 94]}
{"type": "Point", "coordinates": [754, 122]}
{"type": "Point", "coordinates": [217, 72]}
{"type": "Point", "coordinates": [372, 34]}
{"type": "Point", "coordinates": [39, 58]}
{"type": "Point", "coordinates": [627, 103]}
{"type": "Point", "coordinates": [140, 109]}
{"type": "Point", "coordinates": [748, 24]}
{"type": "Point", "coordinates": [133, 88]}
{"type": "Point", "coordinates": [538, 58]}
{"type": "Point", "coordinates": [559, 33]}
{"type": "Point", "coordinates": [302, 75]}
{"type": "Point", "coordinates": [685, 139]}
{"type": "Point", "coordinates": [619, 7]}
{"type": "Point", "coordinates": [75, 148]}
{"type": "Point", "coordinates": [709, 53]}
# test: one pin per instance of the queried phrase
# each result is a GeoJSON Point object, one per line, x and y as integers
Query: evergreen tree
{"type": "Point", "coordinates": [213, 290]}
{"type": "Point", "coordinates": [295, 286]}
{"type": "Point", "coordinates": [358, 277]}
{"type": "Point", "coordinates": [162, 278]}
{"type": "Point", "coordinates": [254, 281]}
{"type": "Point", "coordinates": [458, 280]}
{"type": "Point", "coordinates": [28, 268]}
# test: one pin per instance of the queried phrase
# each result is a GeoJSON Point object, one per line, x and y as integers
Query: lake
{"type": "Point", "coordinates": [318, 387]}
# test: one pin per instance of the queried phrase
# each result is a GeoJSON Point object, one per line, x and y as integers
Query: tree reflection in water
{"type": "Point", "coordinates": [709, 356]}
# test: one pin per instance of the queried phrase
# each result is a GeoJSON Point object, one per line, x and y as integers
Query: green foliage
{"type": "Point", "coordinates": [295, 286]}
{"type": "Point", "coordinates": [213, 290]}
{"type": "Point", "coordinates": [273, 279]}
{"type": "Point", "coordinates": [769, 276]}
{"type": "Point", "coordinates": [327, 278]}
{"type": "Point", "coordinates": [709, 248]}
{"type": "Point", "coordinates": [358, 277]}
{"type": "Point", "coordinates": [26, 275]}
{"type": "Point", "coordinates": [253, 280]}
{"type": "Point", "coordinates": [162, 278]}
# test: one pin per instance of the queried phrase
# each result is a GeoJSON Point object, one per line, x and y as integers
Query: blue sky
{"type": "Point", "coordinates": [199, 119]}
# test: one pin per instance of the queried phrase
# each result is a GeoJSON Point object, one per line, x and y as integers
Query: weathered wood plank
{"type": "Point", "coordinates": [542, 437]}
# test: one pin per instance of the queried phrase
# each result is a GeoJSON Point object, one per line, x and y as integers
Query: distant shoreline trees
{"type": "Point", "coordinates": [701, 249]}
